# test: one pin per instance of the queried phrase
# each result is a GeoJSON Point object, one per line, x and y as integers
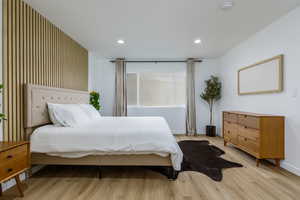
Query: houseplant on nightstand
{"type": "Point", "coordinates": [211, 94]}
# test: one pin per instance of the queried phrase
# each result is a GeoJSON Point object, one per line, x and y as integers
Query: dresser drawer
{"type": "Point", "coordinates": [229, 117]}
{"type": "Point", "coordinates": [248, 121]}
{"type": "Point", "coordinates": [13, 166]}
{"type": "Point", "coordinates": [11, 154]}
{"type": "Point", "coordinates": [230, 137]}
{"type": "Point", "coordinates": [230, 132]}
{"type": "Point", "coordinates": [251, 133]}
{"type": "Point", "coordinates": [248, 145]}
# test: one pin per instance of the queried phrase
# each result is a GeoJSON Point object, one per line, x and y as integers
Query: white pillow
{"type": "Point", "coordinates": [90, 110]}
{"type": "Point", "coordinates": [70, 115]}
{"type": "Point", "coordinates": [52, 116]}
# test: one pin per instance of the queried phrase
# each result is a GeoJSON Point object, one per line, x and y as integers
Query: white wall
{"type": "Point", "coordinates": [91, 63]}
{"type": "Point", "coordinates": [281, 37]}
{"type": "Point", "coordinates": [103, 81]}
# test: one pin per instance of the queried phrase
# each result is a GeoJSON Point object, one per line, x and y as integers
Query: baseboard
{"type": "Point", "coordinates": [12, 182]}
{"type": "Point", "coordinates": [291, 168]}
{"type": "Point", "coordinates": [183, 134]}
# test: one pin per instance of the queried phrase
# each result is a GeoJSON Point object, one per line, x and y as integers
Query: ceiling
{"type": "Point", "coordinates": [160, 28]}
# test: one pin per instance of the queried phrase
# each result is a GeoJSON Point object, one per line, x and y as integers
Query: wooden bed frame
{"type": "Point", "coordinates": [36, 115]}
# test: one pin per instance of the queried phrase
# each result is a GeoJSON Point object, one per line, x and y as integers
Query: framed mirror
{"type": "Point", "coordinates": [263, 77]}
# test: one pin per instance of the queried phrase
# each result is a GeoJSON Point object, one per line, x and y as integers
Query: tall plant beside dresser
{"type": "Point", "coordinates": [211, 94]}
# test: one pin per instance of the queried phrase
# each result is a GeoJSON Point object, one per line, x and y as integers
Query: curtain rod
{"type": "Point", "coordinates": [156, 61]}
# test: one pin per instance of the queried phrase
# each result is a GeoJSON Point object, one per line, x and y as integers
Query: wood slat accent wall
{"type": "Point", "coordinates": [37, 52]}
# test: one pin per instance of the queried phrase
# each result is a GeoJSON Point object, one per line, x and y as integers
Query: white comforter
{"type": "Point", "coordinates": [109, 135]}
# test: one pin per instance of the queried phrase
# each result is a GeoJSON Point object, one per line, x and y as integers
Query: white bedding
{"type": "Point", "coordinates": [109, 135]}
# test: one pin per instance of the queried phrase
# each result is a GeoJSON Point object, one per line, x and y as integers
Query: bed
{"type": "Point", "coordinates": [109, 141]}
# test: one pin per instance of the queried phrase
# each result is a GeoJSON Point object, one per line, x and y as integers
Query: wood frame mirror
{"type": "Point", "coordinates": [262, 77]}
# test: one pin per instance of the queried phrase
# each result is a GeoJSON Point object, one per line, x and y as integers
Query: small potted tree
{"type": "Point", "coordinates": [211, 94]}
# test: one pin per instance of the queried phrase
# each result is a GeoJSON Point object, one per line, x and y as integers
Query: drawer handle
{"type": "Point", "coordinates": [9, 170]}
{"type": "Point", "coordinates": [9, 156]}
{"type": "Point", "coordinates": [228, 131]}
{"type": "Point", "coordinates": [245, 139]}
{"type": "Point", "coordinates": [246, 127]}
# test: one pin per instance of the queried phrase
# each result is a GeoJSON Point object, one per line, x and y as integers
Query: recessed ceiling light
{"type": "Point", "coordinates": [197, 41]}
{"type": "Point", "coordinates": [121, 42]}
{"type": "Point", "coordinates": [226, 4]}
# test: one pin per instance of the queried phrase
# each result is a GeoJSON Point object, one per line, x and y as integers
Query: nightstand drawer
{"type": "Point", "coordinates": [13, 166]}
{"type": "Point", "coordinates": [14, 153]}
{"type": "Point", "coordinates": [14, 159]}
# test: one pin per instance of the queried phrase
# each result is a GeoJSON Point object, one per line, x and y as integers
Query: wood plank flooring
{"type": "Point", "coordinates": [82, 183]}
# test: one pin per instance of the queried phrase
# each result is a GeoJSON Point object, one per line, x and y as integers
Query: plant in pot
{"type": "Point", "coordinates": [211, 94]}
{"type": "Point", "coordinates": [95, 100]}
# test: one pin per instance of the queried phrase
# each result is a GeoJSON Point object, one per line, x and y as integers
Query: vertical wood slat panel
{"type": "Point", "coordinates": [30, 66]}
{"type": "Point", "coordinates": [38, 48]}
{"type": "Point", "coordinates": [6, 63]}
{"type": "Point", "coordinates": [35, 51]}
{"type": "Point", "coordinates": [17, 92]}
{"type": "Point", "coordinates": [27, 43]}
{"type": "Point", "coordinates": [9, 75]}
{"type": "Point", "coordinates": [51, 54]}
{"type": "Point", "coordinates": [14, 77]}
{"type": "Point", "coordinates": [21, 68]}
{"type": "Point", "coordinates": [47, 54]}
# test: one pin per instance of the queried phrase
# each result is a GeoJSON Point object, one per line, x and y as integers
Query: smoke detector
{"type": "Point", "coordinates": [227, 4]}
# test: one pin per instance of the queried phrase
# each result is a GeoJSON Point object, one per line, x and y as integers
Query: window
{"type": "Point", "coordinates": [156, 88]}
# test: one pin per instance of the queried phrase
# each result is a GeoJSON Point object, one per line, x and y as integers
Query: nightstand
{"type": "Point", "coordinates": [14, 160]}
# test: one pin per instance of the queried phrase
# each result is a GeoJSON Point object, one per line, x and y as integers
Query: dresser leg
{"type": "Point", "coordinates": [17, 178]}
{"type": "Point", "coordinates": [277, 161]}
{"type": "Point", "coordinates": [225, 143]}
{"type": "Point", "coordinates": [257, 162]}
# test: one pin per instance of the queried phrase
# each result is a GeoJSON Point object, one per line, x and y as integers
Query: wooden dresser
{"type": "Point", "coordinates": [14, 160]}
{"type": "Point", "coordinates": [257, 134]}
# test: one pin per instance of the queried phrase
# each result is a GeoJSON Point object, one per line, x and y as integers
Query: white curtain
{"type": "Point", "coordinates": [191, 127]}
{"type": "Point", "coordinates": [120, 88]}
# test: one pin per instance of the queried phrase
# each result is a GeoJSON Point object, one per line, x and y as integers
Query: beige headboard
{"type": "Point", "coordinates": [36, 98]}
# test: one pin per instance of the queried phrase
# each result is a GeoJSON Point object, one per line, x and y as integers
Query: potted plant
{"type": "Point", "coordinates": [211, 94]}
{"type": "Point", "coordinates": [95, 100]}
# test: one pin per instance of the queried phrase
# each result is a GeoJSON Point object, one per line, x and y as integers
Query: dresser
{"type": "Point", "coordinates": [260, 135]}
{"type": "Point", "coordinates": [14, 160]}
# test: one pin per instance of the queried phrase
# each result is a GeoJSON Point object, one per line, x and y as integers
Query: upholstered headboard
{"type": "Point", "coordinates": [36, 98]}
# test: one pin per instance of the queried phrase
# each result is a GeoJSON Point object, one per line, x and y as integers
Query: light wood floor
{"type": "Point", "coordinates": [249, 182]}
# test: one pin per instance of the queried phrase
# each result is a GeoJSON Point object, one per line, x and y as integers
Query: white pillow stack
{"type": "Point", "coordinates": [72, 115]}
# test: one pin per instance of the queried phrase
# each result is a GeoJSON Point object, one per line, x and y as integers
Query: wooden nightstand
{"type": "Point", "coordinates": [14, 160]}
